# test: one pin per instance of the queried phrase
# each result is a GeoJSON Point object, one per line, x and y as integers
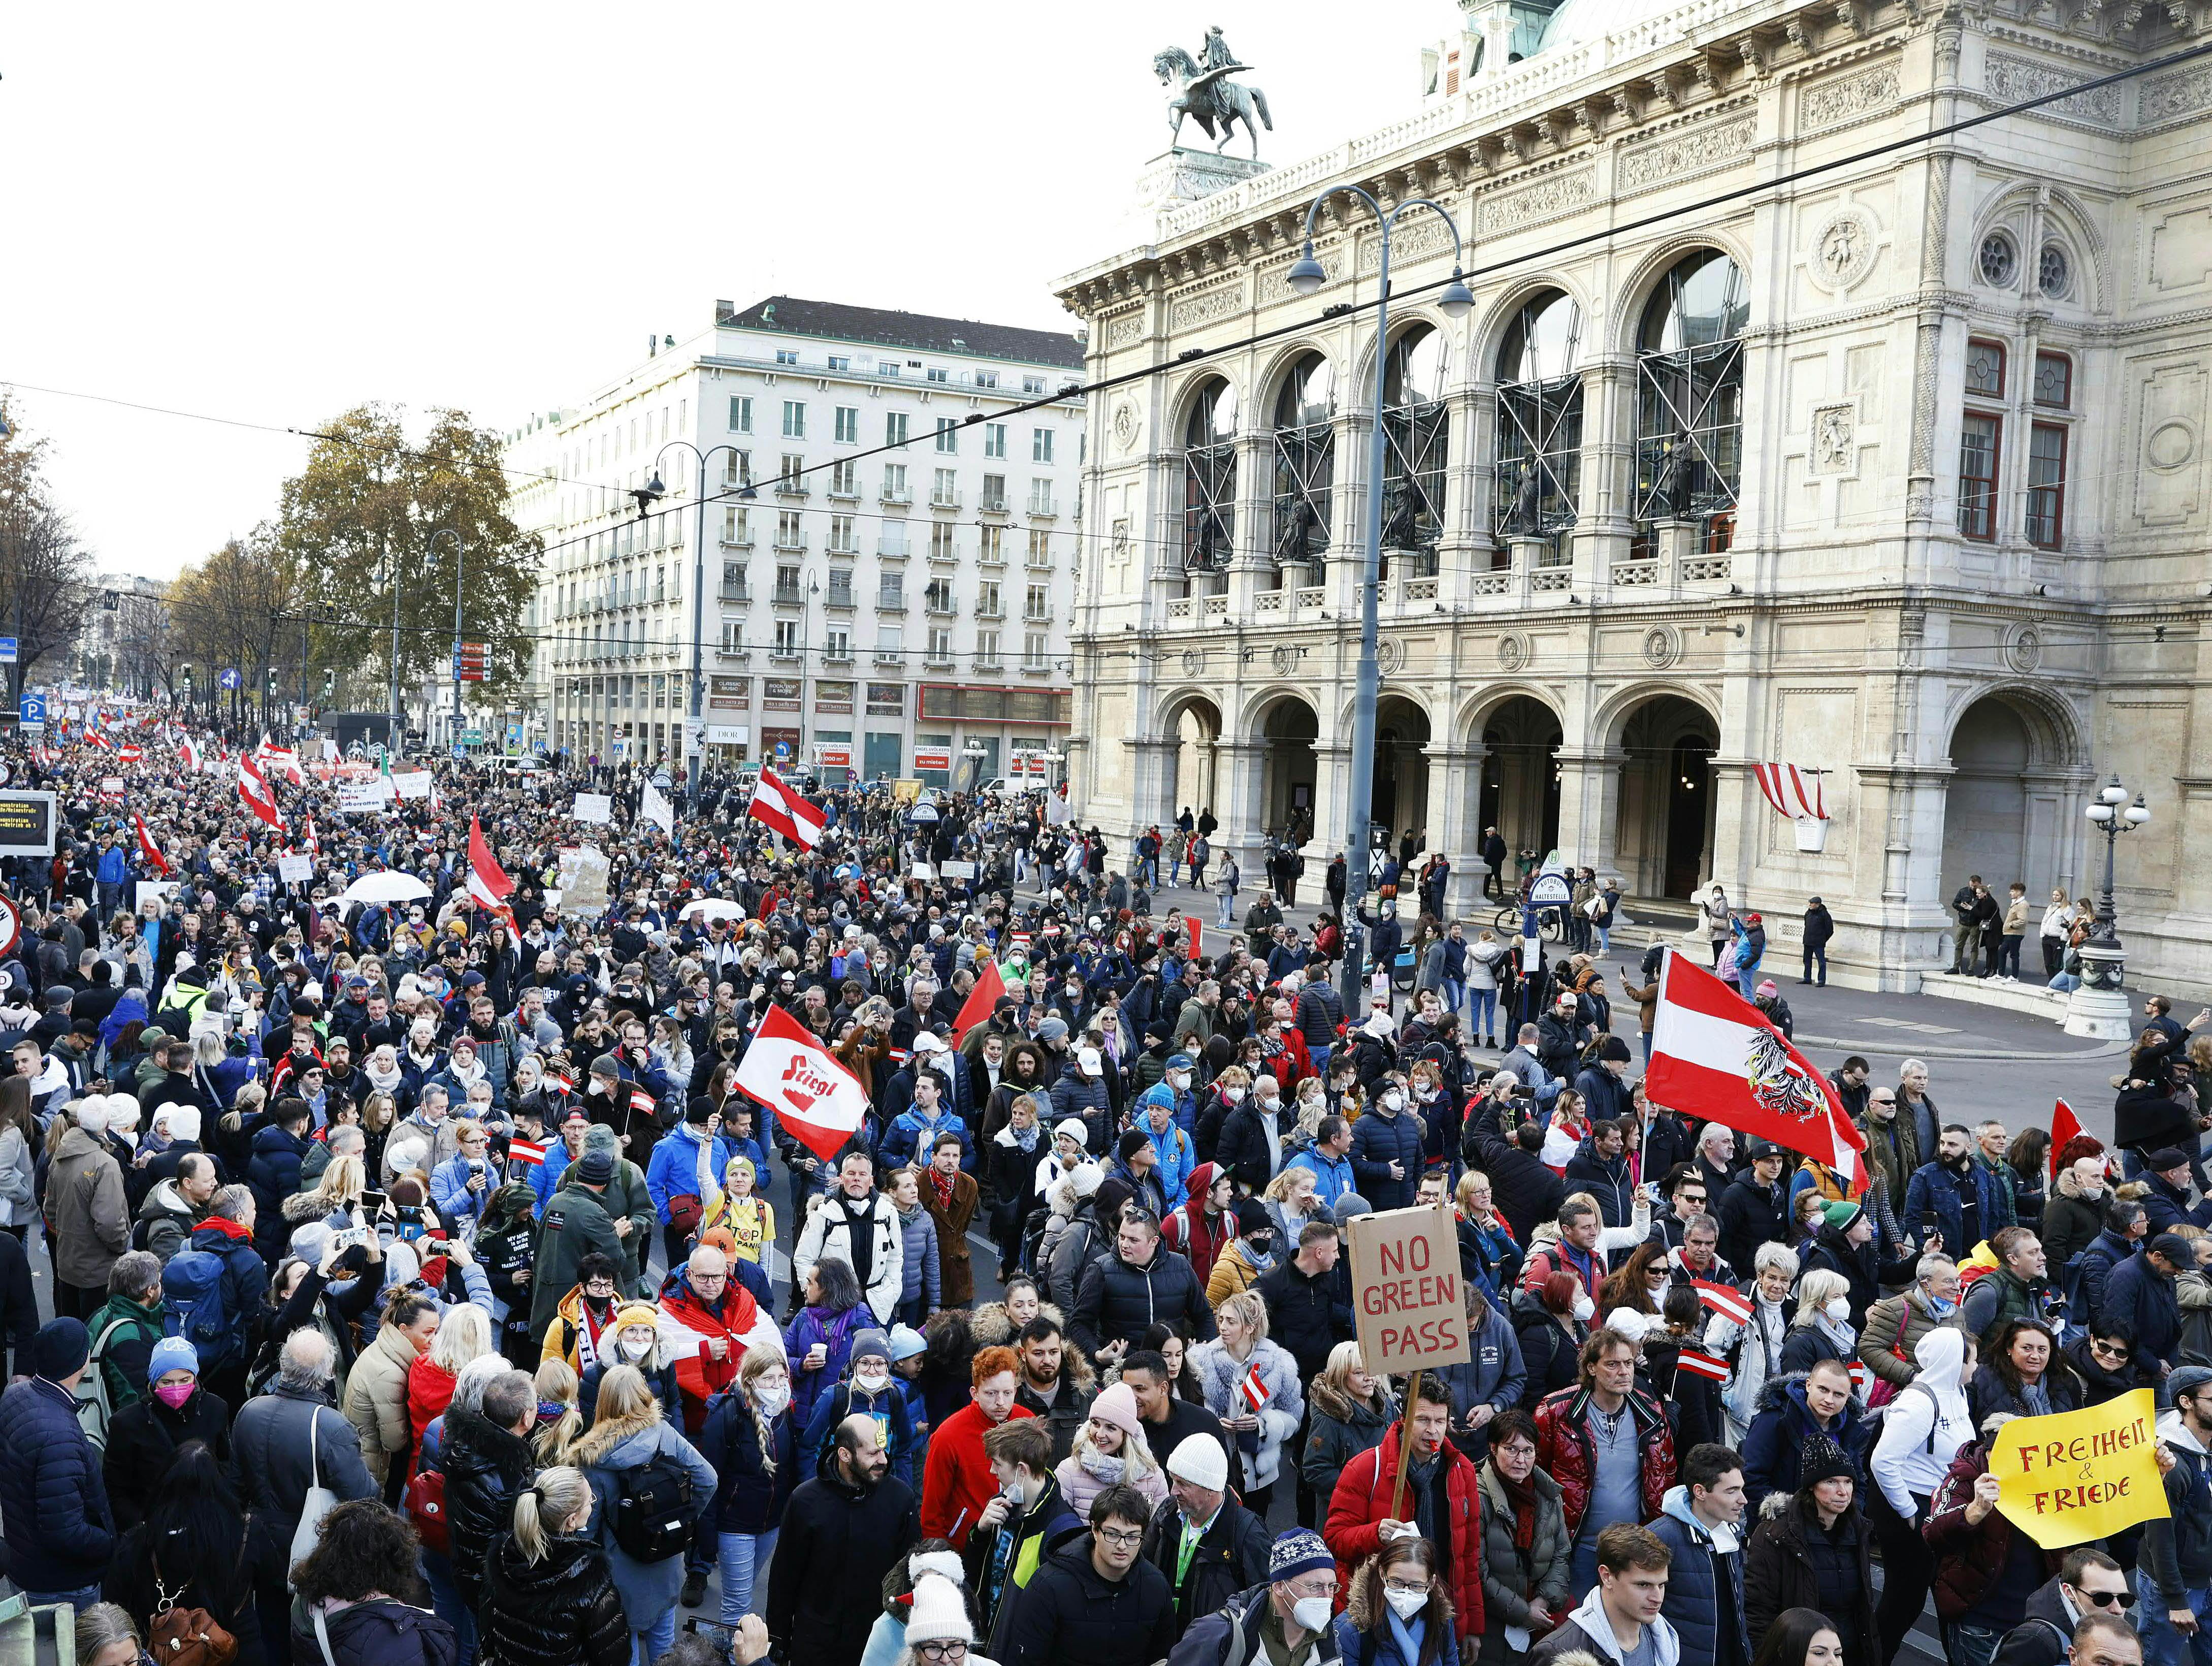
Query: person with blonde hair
{"type": "Point", "coordinates": [749, 1217]}
{"type": "Point", "coordinates": [560, 1409]}
{"type": "Point", "coordinates": [1239, 1349]}
{"type": "Point", "coordinates": [1352, 1410]}
{"type": "Point", "coordinates": [630, 1432]}
{"type": "Point", "coordinates": [1110, 1449]}
{"type": "Point", "coordinates": [1822, 1327]}
{"type": "Point", "coordinates": [549, 1594]}
{"type": "Point", "coordinates": [751, 1441]}
{"type": "Point", "coordinates": [463, 1336]}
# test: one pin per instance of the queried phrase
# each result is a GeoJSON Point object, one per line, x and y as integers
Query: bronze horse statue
{"type": "Point", "coordinates": [1208, 97]}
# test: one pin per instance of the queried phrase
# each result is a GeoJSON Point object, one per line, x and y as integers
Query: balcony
{"type": "Point", "coordinates": [794, 543]}
{"type": "Point", "coordinates": [945, 665]}
{"type": "Point", "coordinates": [892, 549]}
{"type": "Point", "coordinates": [783, 656]}
{"type": "Point", "coordinates": [993, 666]}
{"type": "Point", "coordinates": [743, 541]}
{"type": "Point", "coordinates": [848, 493]}
{"type": "Point", "coordinates": [790, 595]}
{"type": "Point", "coordinates": [988, 557]}
{"type": "Point", "coordinates": [848, 550]}
{"type": "Point", "coordinates": [792, 485]}
{"type": "Point", "coordinates": [733, 655]}
{"type": "Point", "coordinates": [839, 598]}
{"type": "Point", "coordinates": [1042, 509]}
{"type": "Point", "coordinates": [992, 504]}
{"type": "Point", "coordinates": [989, 610]}
{"type": "Point", "coordinates": [941, 607]}
{"type": "Point", "coordinates": [834, 658]}
{"type": "Point", "coordinates": [740, 593]}
{"type": "Point", "coordinates": [890, 656]}
{"type": "Point", "coordinates": [891, 601]}
{"type": "Point", "coordinates": [944, 500]}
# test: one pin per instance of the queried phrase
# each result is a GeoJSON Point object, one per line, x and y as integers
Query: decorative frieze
{"type": "Point", "coordinates": [1678, 155]}
{"type": "Point", "coordinates": [2181, 94]}
{"type": "Point", "coordinates": [1206, 307]}
{"type": "Point", "coordinates": [1833, 102]}
{"type": "Point", "coordinates": [2009, 80]}
{"type": "Point", "coordinates": [1561, 193]}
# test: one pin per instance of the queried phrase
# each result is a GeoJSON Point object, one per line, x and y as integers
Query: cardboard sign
{"type": "Point", "coordinates": [362, 798]}
{"type": "Point", "coordinates": [584, 880]}
{"type": "Point", "coordinates": [1407, 1296]}
{"type": "Point", "coordinates": [2074, 1476]}
{"type": "Point", "coordinates": [595, 807]}
{"type": "Point", "coordinates": [295, 870]}
{"type": "Point", "coordinates": [411, 783]}
{"type": "Point", "coordinates": [959, 869]}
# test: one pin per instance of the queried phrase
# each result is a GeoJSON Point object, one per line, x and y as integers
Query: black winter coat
{"type": "Point", "coordinates": [1307, 1317]}
{"type": "Point", "coordinates": [1231, 1558]}
{"type": "Point", "coordinates": [1378, 1141]}
{"type": "Point", "coordinates": [1548, 1353]}
{"type": "Point", "coordinates": [1071, 1616]}
{"type": "Point", "coordinates": [1778, 1574]}
{"type": "Point", "coordinates": [484, 1466]}
{"type": "Point", "coordinates": [563, 1611]}
{"type": "Point", "coordinates": [1528, 1194]}
{"type": "Point", "coordinates": [142, 1440]}
{"type": "Point", "coordinates": [825, 1583]}
{"type": "Point", "coordinates": [380, 1634]}
{"type": "Point", "coordinates": [1116, 1302]}
{"type": "Point", "coordinates": [1242, 1147]}
{"type": "Point", "coordinates": [219, 1578]}
{"type": "Point", "coordinates": [1750, 1215]}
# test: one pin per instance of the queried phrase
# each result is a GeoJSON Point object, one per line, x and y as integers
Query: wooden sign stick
{"type": "Point", "coordinates": [1405, 1446]}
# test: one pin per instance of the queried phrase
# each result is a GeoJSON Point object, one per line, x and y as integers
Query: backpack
{"type": "Point", "coordinates": [93, 1407]}
{"type": "Point", "coordinates": [654, 1512]}
{"type": "Point", "coordinates": [196, 1305]}
{"type": "Point", "coordinates": [425, 1499]}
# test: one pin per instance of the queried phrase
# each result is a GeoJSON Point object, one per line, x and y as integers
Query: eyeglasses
{"type": "Point", "coordinates": [953, 1650]}
{"type": "Point", "coordinates": [1419, 1588]}
{"type": "Point", "coordinates": [2103, 1599]}
{"type": "Point", "coordinates": [1127, 1538]}
{"type": "Point", "coordinates": [2098, 1345]}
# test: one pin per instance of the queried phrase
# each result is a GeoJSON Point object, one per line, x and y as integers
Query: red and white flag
{"type": "Point", "coordinates": [982, 1001]}
{"type": "Point", "coordinates": [188, 754]}
{"type": "Point", "coordinates": [526, 1151]}
{"type": "Point", "coordinates": [129, 753]}
{"type": "Point", "coordinates": [93, 737]}
{"type": "Point", "coordinates": [488, 883]}
{"type": "Point", "coordinates": [314, 844]}
{"type": "Point", "coordinates": [1698, 1363]}
{"type": "Point", "coordinates": [253, 788]}
{"type": "Point", "coordinates": [785, 810]}
{"type": "Point", "coordinates": [1723, 1299]}
{"type": "Point", "coordinates": [159, 863]}
{"type": "Point", "coordinates": [1717, 1058]}
{"type": "Point", "coordinates": [1795, 793]}
{"type": "Point", "coordinates": [812, 1093]}
{"type": "Point", "coordinates": [560, 1078]}
{"type": "Point", "coordinates": [2064, 1126]}
{"type": "Point", "coordinates": [1253, 1391]}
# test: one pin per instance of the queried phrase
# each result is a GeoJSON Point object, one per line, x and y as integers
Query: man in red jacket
{"type": "Point", "coordinates": [1440, 1502]}
{"type": "Point", "coordinates": [958, 1481]}
{"type": "Point", "coordinates": [1606, 1444]}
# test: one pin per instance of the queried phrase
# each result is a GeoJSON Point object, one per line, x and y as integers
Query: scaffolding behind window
{"type": "Point", "coordinates": [1416, 437]}
{"type": "Point", "coordinates": [1306, 466]}
{"type": "Point", "coordinates": [1209, 517]}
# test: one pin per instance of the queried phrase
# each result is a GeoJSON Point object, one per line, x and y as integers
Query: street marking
{"type": "Point", "coordinates": [1907, 1024]}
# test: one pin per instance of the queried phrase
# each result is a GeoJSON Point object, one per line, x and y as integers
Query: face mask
{"type": "Point", "coordinates": [1405, 1603]}
{"type": "Point", "coordinates": [1269, 1107]}
{"type": "Point", "coordinates": [1584, 1308]}
{"type": "Point", "coordinates": [173, 1395]}
{"type": "Point", "coordinates": [1234, 1096]}
{"type": "Point", "coordinates": [772, 1400]}
{"type": "Point", "coordinates": [1941, 1307]}
{"type": "Point", "coordinates": [1394, 1100]}
{"type": "Point", "coordinates": [637, 1350]}
{"type": "Point", "coordinates": [1178, 1080]}
{"type": "Point", "coordinates": [871, 1381]}
{"type": "Point", "coordinates": [1312, 1613]}
{"type": "Point", "coordinates": [1837, 1310]}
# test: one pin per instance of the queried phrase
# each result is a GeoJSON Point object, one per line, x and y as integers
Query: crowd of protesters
{"type": "Point", "coordinates": [425, 1290]}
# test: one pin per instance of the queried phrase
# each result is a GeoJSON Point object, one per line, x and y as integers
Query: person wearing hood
{"type": "Point", "coordinates": [1164, 1177]}
{"type": "Point", "coordinates": [549, 1594]}
{"type": "Point", "coordinates": [2075, 1213]}
{"type": "Point", "coordinates": [1396, 1610]}
{"type": "Point", "coordinates": [1525, 1548]}
{"type": "Point", "coordinates": [1701, 1524]}
{"type": "Point", "coordinates": [1253, 1252]}
{"type": "Point", "coordinates": [1923, 1427]}
{"type": "Point", "coordinates": [146, 1435]}
{"type": "Point", "coordinates": [1202, 1228]}
{"type": "Point", "coordinates": [1793, 1410]}
{"type": "Point", "coordinates": [1983, 1567]}
{"type": "Point", "coordinates": [684, 1176]}
{"type": "Point", "coordinates": [1625, 1601]}
{"type": "Point", "coordinates": [629, 1433]}
{"type": "Point", "coordinates": [1810, 1550]}
{"type": "Point", "coordinates": [868, 1390]}
{"type": "Point", "coordinates": [174, 1208]}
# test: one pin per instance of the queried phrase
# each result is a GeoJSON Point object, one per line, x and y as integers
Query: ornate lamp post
{"type": "Point", "coordinates": [1305, 276]}
{"type": "Point", "coordinates": [2097, 1007]}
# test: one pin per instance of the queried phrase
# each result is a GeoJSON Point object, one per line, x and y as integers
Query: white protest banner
{"type": "Point", "coordinates": [958, 870]}
{"type": "Point", "coordinates": [294, 869]}
{"type": "Point", "coordinates": [156, 892]}
{"type": "Point", "coordinates": [362, 798]}
{"type": "Point", "coordinates": [595, 807]}
{"type": "Point", "coordinates": [584, 880]}
{"type": "Point", "coordinates": [922, 871]}
{"type": "Point", "coordinates": [1408, 1297]}
{"type": "Point", "coordinates": [410, 784]}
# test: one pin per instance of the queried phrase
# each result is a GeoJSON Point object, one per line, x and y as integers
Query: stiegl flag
{"type": "Point", "coordinates": [812, 1093]}
{"type": "Point", "coordinates": [1716, 1057]}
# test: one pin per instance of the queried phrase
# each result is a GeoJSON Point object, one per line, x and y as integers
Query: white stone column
{"type": "Point", "coordinates": [1589, 806]}
{"type": "Point", "coordinates": [1332, 798]}
{"type": "Point", "coordinates": [1239, 802]}
{"type": "Point", "coordinates": [1456, 809]}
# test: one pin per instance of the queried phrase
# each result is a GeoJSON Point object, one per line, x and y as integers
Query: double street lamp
{"type": "Point", "coordinates": [695, 727]}
{"type": "Point", "coordinates": [2096, 1005]}
{"type": "Point", "coordinates": [1305, 276]}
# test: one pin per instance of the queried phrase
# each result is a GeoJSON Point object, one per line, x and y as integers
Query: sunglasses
{"type": "Point", "coordinates": [2103, 1599]}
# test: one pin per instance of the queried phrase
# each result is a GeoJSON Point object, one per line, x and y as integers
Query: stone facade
{"type": "Point", "coordinates": [1952, 552]}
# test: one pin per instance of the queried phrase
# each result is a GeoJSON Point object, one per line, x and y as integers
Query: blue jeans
{"type": "Point", "coordinates": [1481, 1012]}
{"type": "Point", "coordinates": [1604, 937]}
{"type": "Point", "coordinates": [1971, 1645]}
{"type": "Point", "coordinates": [445, 1599]}
{"type": "Point", "coordinates": [1320, 1058]}
{"type": "Point", "coordinates": [744, 1555]}
{"type": "Point", "coordinates": [2162, 1645]}
{"type": "Point", "coordinates": [1454, 994]}
{"type": "Point", "coordinates": [1582, 1570]}
{"type": "Point", "coordinates": [651, 1642]}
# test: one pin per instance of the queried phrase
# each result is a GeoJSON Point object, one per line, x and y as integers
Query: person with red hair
{"type": "Point", "coordinates": [956, 1483]}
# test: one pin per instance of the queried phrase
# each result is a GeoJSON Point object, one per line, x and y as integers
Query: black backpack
{"type": "Point", "coordinates": [654, 1511]}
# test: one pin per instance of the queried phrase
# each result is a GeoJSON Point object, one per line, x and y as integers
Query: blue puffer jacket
{"type": "Point", "coordinates": [1778, 1433]}
{"type": "Point", "coordinates": [1378, 1141]}
{"type": "Point", "coordinates": [273, 1170]}
{"type": "Point", "coordinates": [921, 1275]}
{"type": "Point", "coordinates": [1693, 1606]}
{"type": "Point", "coordinates": [53, 1504]}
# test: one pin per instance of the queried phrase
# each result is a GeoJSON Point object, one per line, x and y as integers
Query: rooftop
{"type": "Point", "coordinates": [915, 331]}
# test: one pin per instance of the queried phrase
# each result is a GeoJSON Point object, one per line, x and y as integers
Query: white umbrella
{"type": "Point", "coordinates": [711, 909]}
{"type": "Point", "coordinates": [386, 887]}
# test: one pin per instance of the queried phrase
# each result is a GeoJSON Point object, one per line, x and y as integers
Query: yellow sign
{"type": "Point", "coordinates": [906, 789]}
{"type": "Point", "coordinates": [2074, 1476]}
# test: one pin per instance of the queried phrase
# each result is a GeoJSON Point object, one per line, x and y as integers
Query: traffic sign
{"type": "Point", "coordinates": [472, 737]}
{"type": "Point", "coordinates": [229, 678]}
{"type": "Point", "coordinates": [1550, 890]}
{"type": "Point", "coordinates": [461, 752]}
{"type": "Point", "coordinates": [7, 650]}
{"type": "Point", "coordinates": [33, 709]}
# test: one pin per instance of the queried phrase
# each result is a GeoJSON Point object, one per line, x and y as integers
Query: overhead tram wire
{"type": "Point", "coordinates": [1200, 354]}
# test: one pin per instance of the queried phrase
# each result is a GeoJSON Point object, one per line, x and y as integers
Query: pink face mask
{"type": "Point", "coordinates": [173, 1395]}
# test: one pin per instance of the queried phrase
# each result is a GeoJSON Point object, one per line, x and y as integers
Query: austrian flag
{"type": "Point", "coordinates": [784, 809]}
{"type": "Point", "coordinates": [154, 856]}
{"type": "Point", "coordinates": [1254, 1392]}
{"type": "Point", "coordinates": [487, 883]}
{"type": "Point", "coordinates": [253, 788]}
{"type": "Point", "coordinates": [813, 1094]}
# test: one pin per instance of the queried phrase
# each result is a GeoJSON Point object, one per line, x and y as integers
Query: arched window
{"type": "Point", "coordinates": [1306, 460]}
{"type": "Point", "coordinates": [1539, 418]}
{"type": "Point", "coordinates": [1209, 480]}
{"type": "Point", "coordinates": [1417, 433]}
{"type": "Point", "coordinates": [1689, 398]}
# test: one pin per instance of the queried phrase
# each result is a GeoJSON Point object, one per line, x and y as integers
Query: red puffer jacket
{"type": "Point", "coordinates": [1361, 1502]}
{"type": "Point", "coordinates": [1968, 1558]}
{"type": "Point", "coordinates": [1565, 1452]}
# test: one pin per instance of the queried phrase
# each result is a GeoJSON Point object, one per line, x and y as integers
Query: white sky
{"type": "Point", "coordinates": [270, 213]}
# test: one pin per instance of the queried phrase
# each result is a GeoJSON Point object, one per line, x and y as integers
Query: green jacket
{"type": "Point", "coordinates": [575, 1222]}
{"type": "Point", "coordinates": [626, 1195]}
{"type": "Point", "coordinates": [134, 1329]}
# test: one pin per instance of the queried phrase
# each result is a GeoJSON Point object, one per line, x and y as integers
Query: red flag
{"type": "Point", "coordinates": [1715, 1056]}
{"type": "Point", "coordinates": [783, 809]}
{"type": "Point", "coordinates": [526, 1151]}
{"type": "Point", "coordinates": [2064, 1125]}
{"type": "Point", "coordinates": [1254, 1390]}
{"type": "Point", "coordinates": [146, 844]}
{"type": "Point", "coordinates": [1723, 1299]}
{"type": "Point", "coordinates": [982, 1001]}
{"type": "Point", "coordinates": [1698, 1363]}
{"type": "Point", "coordinates": [253, 788]}
{"type": "Point", "coordinates": [487, 883]}
{"type": "Point", "coordinates": [813, 1094]}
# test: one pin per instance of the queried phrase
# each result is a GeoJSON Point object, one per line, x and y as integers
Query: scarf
{"type": "Point", "coordinates": [1407, 1636]}
{"type": "Point", "coordinates": [1026, 1138]}
{"type": "Point", "coordinates": [384, 1082]}
{"type": "Point", "coordinates": [1846, 1343]}
{"type": "Point", "coordinates": [1522, 1495]}
{"type": "Point", "coordinates": [940, 1188]}
{"type": "Point", "coordinates": [1109, 1470]}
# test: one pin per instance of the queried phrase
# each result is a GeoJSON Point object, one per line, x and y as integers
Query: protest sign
{"type": "Point", "coordinates": [362, 798]}
{"type": "Point", "coordinates": [958, 870]}
{"type": "Point", "coordinates": [156, 891]}
{"type": "Point", "coordinates": [595, 807]}
{"type": "Point", "coordinates": [411, 783]}
{"type": "Point", "coordinates": [295, 870]}
{"type": "Point", "coordinates": [2074, 1476]}
{"type": "Point", "coordinates": [584, 880]}
{"type": "Point", "coordinates": [1408, 1297]}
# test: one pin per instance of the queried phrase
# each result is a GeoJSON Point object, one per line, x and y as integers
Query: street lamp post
{"type": "Point", "coordinates": [2097, 1007]}
{"type": "Point", "coordinates": [447, 532]}
{"type": "Point", "coordinates": [695, 727]}
{"type": "Point", "coordinates": [1305, 276]}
